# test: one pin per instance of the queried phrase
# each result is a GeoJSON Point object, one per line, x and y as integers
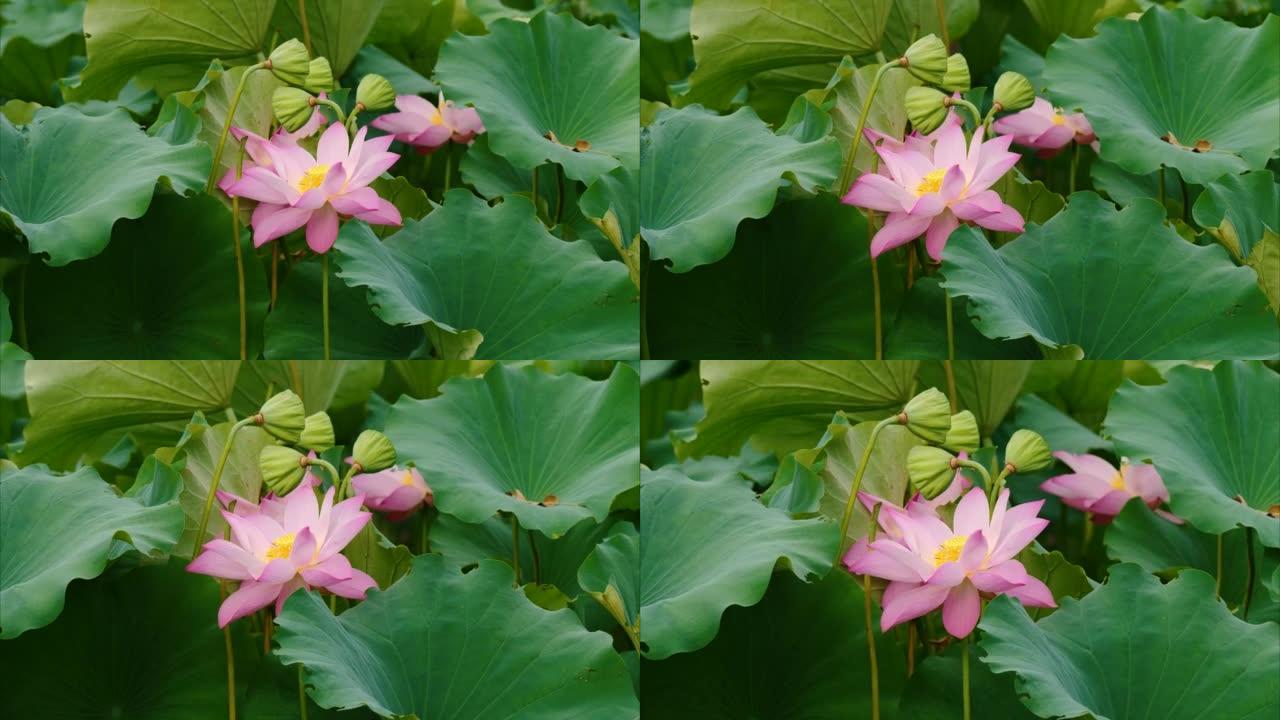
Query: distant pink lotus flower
{"type": "Point", "coordinates": [1098, 488]}
{"type": "Point", "coordinates": [281, 545]}
{"type": "Point", "coordinates": [1046, 128]}
{"type": "Point", "coordinates": [425, 126]}
{"type": "Point", "coordinates": [929, 185]}
{"type": "Point", "coordinates": [929, 564]}
{"type": "Point", "coordinates": [295, 189]}
{"type": "Point", "coordinates": [395, 491]}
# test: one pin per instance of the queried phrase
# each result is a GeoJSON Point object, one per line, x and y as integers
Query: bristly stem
{"type": "Point", "coordinates": [857, 481]}
{"type": "Point", "coordinates": [964, 665]}
{"type": "Point", "coordinates": [203, 527]}
{"type": "Point", "coordinates": [846, 174]}
{"type": "Point", "coordinates": [235, 243]}
{"type": "Point", "coordinates": [226, 126]}
{"type": "Point", "coordinates": [515, 546]}
{"type": "Point", "coordinates": [871, 635]}
{"type": "Point", "coordinates": [324, 299]}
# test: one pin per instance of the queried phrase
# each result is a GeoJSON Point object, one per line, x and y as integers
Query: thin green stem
{"type": "Point", "coordinates": [875, 294]}
{"type": "Point", "coordinates": [1075, 163]}
{"type": "Point", "coordinates": [1217, 582]}
{"type": "Point", "coordinates": [20, 311]}
{"type": "Point", "coordinates": [235, 243]}
{"type": "Point", "coordinates": [515, 546]}
{"type": "Point", "coordinates": [302, 690]}
{"type": "Point", "coordinates": [448, 170]}
{"type": "Point", "coordinates": [952, 399]}
{"type": "Point", "coordinates": [424, 532]}
{"type": "Point", "coordinates": [941, 5]}
{"type": "Point", "coordinates": [275, 273]}
{"type": "Point", "coordinates": [559, 193]}
{"type": "Point", "coordinates": [1186, 200]}
{"type": "Point", "coordinates": [986, 479]}
{"type": "Point", "coordinates": [534, 194]}
{"type": "Point", "coordinates": [226, 126]}
{"type": "Point", "coordinates": [964, 671]}
{"type": "Point", "coordinates": [1087, 534]}
{"type": "Point", "coordinates": [857, 481]}
{"type": "Point", "coordinates": [537, 559]}
{"type": "Point", "coordinates": [324, 299]}
{"type": "Point", "coordinates": [846, 174]}
{"type": "Point", "coordinates": [1162, 187]}
{"type": "Point", "coordinates": [951, 334]}
{"type": "Point", "coordinates": [333, 471]}
{"type": "Point", "coordinates": [1251, 571]}
{"type": "Point", "coordinates": [999, 485]}
{"type": "Point", "coordinates": [973, 109]}
{"type": "Point", "coordinates": [203, 527]}
{"type": "Point", "coordinates": [231, 662]}
{"type": "Point", "coordinates": [871, 635]}
{"type": "Point", "coordinates": [306, 40]}
{"type": "Point", "coordinates": [345, 487]}
{"type": "Point", "coordinates": [342, 116]}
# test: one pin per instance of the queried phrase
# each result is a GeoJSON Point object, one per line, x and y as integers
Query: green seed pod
{"type": "Point", "coordinates": [931, 470]}
{"type": "Point", "coordinates": [956, 79]}
{"type": "Point", "coordinates": [1013, 92]}
{"type": "Point", "coordinates": [926, 108]}
{"type": "Point", "coordinates": [282, 468]}
{"type": "Point", "coordinates": [373, 451]}
{"type": "Point", "coordinates": [1027, 451]}
{"type": "Point", "coordinates": [290, 62]}
{"type": "Point", "coordinates": [317, 433]}
{"type": "Point", "coordinates": [283, 415]}
{"type": "Point", "coordinates": [928, 415]}
{"type": "Point", "coordinates": [319, 77]}
{"type": "Point", "coordinates": [375, 93]}
{"type": "Point", "coordinates": [926, 59]}
{"type": "Point", "coordinates": [963, 435]}
{"type": "Point", "coordinates": [292, 107]}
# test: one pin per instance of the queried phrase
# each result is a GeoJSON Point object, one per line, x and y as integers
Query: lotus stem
{"type": "Point", "coordinates": [964, 671]}
{"type": "Point", "coordinates": [534, 194]}
{"type": "Point", "coordinates": [231, 661]}
{"type": "Point", "coordinates": [1087, 536]}
{"type": "Point", "coordinates": [235, 243]}
{"type": "Point", "coordinates": [1162, 188]}
{"type": "Point", "coordinates": [275, 273]}
{"type": "Point", "coordinates": [302, 691]}
{"type": "Point", "coordinates": [448, 172]}
{"type": "Point", "coordinates": [537, 561]}
{"type": "Point", "coordinates": [846, 174]}
{"type": "Point", "coordinates": [973, 109]}
{"type": "Point", "coordinates": [203, 527]}
{"type": "Point", "coordinates": [342, 116]}
{"type": "Point", "coordinates": [857, 481]}
{"type": "Point", "coordinates": [306, 40]}
{"type": "Point", "coordinates": [226, 126]}
{"type": "Point", "coordinates": [875, 295]}
{"type": "Point", "coordinates": [1251, 573]}
{"type": "Point", "coordinates": [266, 631]}
{"type": "Point", "coordinates": [20, 310]}
{"type": "Point", "coordinates": [1186, 200]}
{"type": "Point", "coordinates": [333, 472]}
{"type": "Point", "coordinates": [324, 300]}
{"type": "Point", "coordinates": [942, 22]}
{"type": "Point", "coordinates": [515, 546]}
{"type": "Point", "coordinates": [986, 480]}
{"type": "Point", "coordinates": [1217, 582]}
{"type": "Point", "coordinates": [560, 192]}
{"type": "Point", "coordinates": [1075, 162]}
{"type": "Point", "coordinates": [871, 635]}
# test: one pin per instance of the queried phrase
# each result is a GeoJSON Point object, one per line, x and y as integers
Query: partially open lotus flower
{"type": "Point", "coordinates": [281, 545]}
{"type": "Point", "coordinates": [1099, 488]}
{"type": "Point", "coordinates": [395, 491]}
{"type": "Point", "coordinates": [1046, 128]}
{"type": "Point", "coordinates": [425, 126]}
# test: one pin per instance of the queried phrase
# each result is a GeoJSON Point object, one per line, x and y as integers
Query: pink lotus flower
{"type": "Point", "coordinates": [281, 545]}
{"type": "Point", "coordinates": [1046, 128]}
{"type": "Point", "coordinates": [929, 564]}
{"type": "Point", "coordinates": [1097, 487]}
{"type": "Point", "coordinates": [930, 185]}
{"type": "Point", "coordinates": [394, 491]}
{"type": "Point", "coordinates": [295, 189]}
{"type": "Point", "coordinates": [423, 125]}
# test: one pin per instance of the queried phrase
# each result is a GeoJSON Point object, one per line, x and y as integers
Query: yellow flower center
{"type": "Point", "coordinates": [437, 118]}
{"type": "Point", "coordinates": [931, 183]}
{"type": "Point", "coordinates": [281, 547]}
{"type": "Point", "coordinates": [949, 551]}
{"type": "Point", "coordinates": [1117, 481]}
{"type": "Point", "coordinates": [407, 479]}
{"type": "Point", "coordinates": [313, 178]}
{"type": "Point", "coordinates": [1058, 119]}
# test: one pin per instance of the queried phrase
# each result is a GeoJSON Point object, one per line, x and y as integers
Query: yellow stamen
{"type": "Point", "coordinates": [281, 547]}
{"type": "Point", "coordinates": [931, 183]}
{"type": "Point", "coordinates": [313, 178]}
{"type": "Point", "coordinates": [949, 551]}
{"type": "Point", "coordinates": [437, 118]}
{"type": "Point", "coordinates": [1058, 119]}
{"type": "Point", "coordinates": [408, 479]}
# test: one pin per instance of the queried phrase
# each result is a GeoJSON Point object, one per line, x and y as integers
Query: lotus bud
{"type": "Point", "coordinates": [319, 77]}
{"type": "Point", "coordinates": [293, 107]}
{"type": "Point", "coordinates": [283, 415]}
{"type": "Point", "coordinates": [926, 108]}
{"type": "Point", "coordinates": [928, 415]}
{"type": "Point", "coordinates": [374, 93]}
{"type": "Point", "coordinates": [926, 59]}
{"type": "Point", "coordinates": [963, 435]}
{"type": "Point", "coordinates": [282, 468]}
{"type": "Point", "coordinates": [290, 62]}
{"type": "Point", "coordinates": [1013, 92]}
{"type": "Point", "coordinates": [317, 433]}
{"type": "Point", "coordinates": [1027, 451]}
{"type": "Point", "coordinates": [956, 78]}
{"type": "Point", "coordinates": [931, 470]}
{"type": "Point", "coordinates": [373, 452]}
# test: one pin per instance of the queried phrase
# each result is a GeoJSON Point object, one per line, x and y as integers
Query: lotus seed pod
{"type": "Point", "coordinates": [290, 62]}
{"type": "Point", "coordinates": [1013, 92]}
{"type": "Point", "coordinates": [926, 108]}
{"type": "Point", "coordinates": [1027, 451]}
{"type": "Point", "coordinates": [926, 59]}
{"type": "Point", "coordinates": [319, 77]}
{"type": "Point", "coordinates": [375, 93]}
{"type": "Point", "coordinates": [928, 415]}
{"type": "Point", "coordinates": [956, 78]}
{"type": "Point", "coordinates": [963, 435]}
{"type": "Point", "coordinates": [373, 451]}
{"type": "Point", "coordinates": [292, 107]}
{"type": "Point", "coordinates": [282, 468]}
{"type": "Point", "coordinates": [317, 433]}
{"type": "Point", "coordinates": [930, 469]}
{"type": "Point", "coordinates": [283, 415]}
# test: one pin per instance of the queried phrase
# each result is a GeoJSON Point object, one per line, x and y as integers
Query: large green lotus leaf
{"type": "Point", "coordinates": [67, 177]}
{"type": "Point", "coordinates": [547, 87]}
{"type": "Point", "coordinates": [1113, 284]}
{"type": "Point", "coordinates": [910, 20]}
{"type": "Point", "coordinates": [665, 20]}
{"type": "Point", "coordinates": [491, 281]}
{"type": "Point", "coordinates": [1079, 388]}
{"type": "Point", "coordinates": [934, 691]}
{"type": "Point", "coordinates": [797, 284]}
{"type": "Point", "coordinates": [337, 27]}
{"type": "Point", "coordinates": [43, 22]}
{"type": "Point", "coordinates": [322, 385]}
{"type": "Point", "coordinates": [1211, 434]}
{"type": "Point", "coordinates": [442, 644]}
{"type": "Point", "coordinates": [82, 408]}
{"type": "Point", "coordinates": [1060, 430]}
{"type": "Point", "coordinates": [567, 444]}
{"type": "Point", "coordinates": [611, 575]}
{"type": "Point", "coordinates": [1186, 82]}
{"type": "Point", "coordinates": [59, 528]}
{"type": "Point", "coordinates": [785, 406]}
{"type": "Point", "coordinates": [1134, 648]}
{"type": "Point", "coordinates": [13, 359]}
{"type": "Point", "coordinates": [212, 96]}
{"type": "Point", "coordinates": [919, 331]}
{"type": "Point", "coordinates": [372, 60]}
{"type": "Point", "coordinates": [423, 379]}
{"type": "Point", "coordinates": [987, 388]}
{"type": "Point", "coordinates": [701, 174]}
{"type": "Point", "coordinates": [371, 552]}
{"type": "Point", "coordinates": [887, 113]}
{"type": "Point", "coordinates": [886, 476]}
{"type": "Point", "coordinates": [1239, 208]}
{"type": "Point", "coordinates": [142, 299]}
{"type": "Point", "coordinates": [171, 48]}
{"type": "Point", "coordinates": [37, 41]}
{"type": "Point", "coordinates": [705, 546]}
{"type": "Point", "coordinates": [735, 40]}
{"type": "Point", "coordinates": [800, 653]}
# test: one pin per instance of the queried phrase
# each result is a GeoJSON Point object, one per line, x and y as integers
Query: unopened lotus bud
{"type": "Point", "coordinates": [926, 108]}
{"type": "Point", "coordinates": [290, 62]}
{"type": "Point", "coordinates": [963, 435]}
{"type": "Point", "coordinates": [317, 433]}
{"type": "Point", "coordinates": [373, 451]}
{"type": "Point", "coordinates": [282, 468]}
{"type": "Point", "coordinates": [283, 415]}
{"type": "Point", "coordinates": [1013, 92]}
{"type": "Point", "coordinates": [956, 79]}
{"type": "Point", "coordinates": [293, 107]}
{"type": "Point", "coordinates": [375, 93]}
{"type": "Point", "coordinates": [319, 77]}
{"type": "Point", "coordinates": [1027, 451]}
{"type": "Point", "coordinates": [928, 415]}
{"type": "Point", "coordinates": [930, 469]}
{"type": "Point", "coordinates": [926, 59]}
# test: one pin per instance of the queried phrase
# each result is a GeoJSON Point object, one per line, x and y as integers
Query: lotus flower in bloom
{"type": "Point", "coordinates": [1046, 128]}
{"type": "Point", "coordinates": [929, 188]}
{"type": "Point", "coordinates": [394, 491]}
{"type": "Point", "coordinates": [281, 545]}
{"type": "Point", "coordinates": [296, 189]}
{"type": "Point", "coordinates": [427, 127]}
{"type": "Point", "coordinates": [929, 564]}
{"type": "Point", "coordinates": [1097, 487]}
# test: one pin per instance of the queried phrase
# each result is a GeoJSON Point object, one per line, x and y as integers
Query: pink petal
{"type": "Point", "coordinates": [371, 166]}
{"type": "Point", "coordinates": [1088, 465]}
{"type": "Point", "coordinates": [354, 588]}
{"type": "Point", "coordinates": [1111, 504]}
{"type": "Point", "coordinates": [300, 508]}
{"type": "Point", "coordinates": [356, 201]}
{"type": "Point", "coordinates": [417, 105]}
{"type": "Point", "coordinates": [304, 548]}
{"type": "Point", "coordinates": [961, 610]}
{"type": "Point", "coordinates": [400, 124]}
{"type": "Point", "coordinates": [1145, 481]}
{"type": "Point", "coordinates": [950, 148]}
{"type": "Point", "coordinates": [974, 553]}
{"type": "Point", "coordinates": [971, 513]}
{"type": "Point", "coordinates": [225, 559]}
{"type": "Point", "coordinates": [259, 183]}
{"type": "Point", "coordinates": [248, 533]}
{"type": "Point", "coordinates": [1033, 593]}
{"type": "Point", "coordinates": [852, 556]}
{"type": "Point", "coordinates": [1169, 516]}
{"type": "Point", "coordinates": [385, 214]}
{"type": "Point", "coordinates": [277, 571]}
{"type": "Point", "coordinates": [322, 229]}
{"type": "Point", "coordinates": [910, 604]}
{"type": "Point", "coordinates": [273, 221]}
{"type": "Point", "coordinates": [935, 238]}
{"type": "Point", "coordinates": [297, 583]}
{"type": "Point", "coordinates": [899, 229]}
{"type": "Point", "coordinates": [1017, 535]}
{"type": "Point", "coordinates": [886, 559]}
{"type": "Point", "coordinates": [344, 527]}
{"type": "Point", "coordinates": [1001, 577]}
{"type": "Point", "coordinates": [1004, 220]}
{"type": "Point", "coordinates": [977, 205]}
{"type": "Point", "coordinates": [249, 598]}
{"type": "Point", "coordinates": [332, 569]}
{"type": "Point", "coordinates": [1054, 137]}
{"type": "Point", "coordinates": [333, 145]}
{"type": "Point", "coordinates": [877, 192]}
